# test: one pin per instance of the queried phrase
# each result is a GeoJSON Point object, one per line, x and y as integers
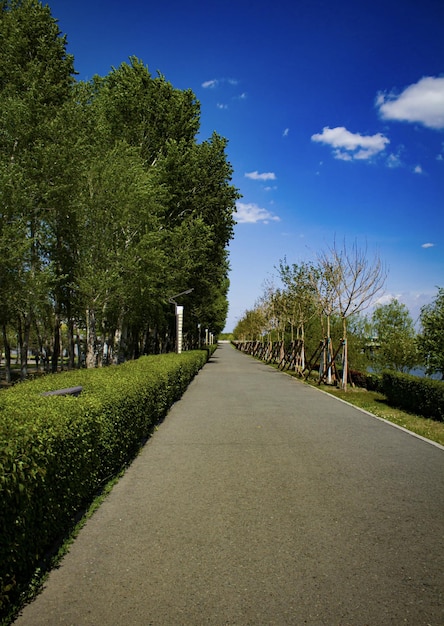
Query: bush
{"type": "Point", "coordinates": [371, 382]}
{"type": "Point", "coordinates": [417, 395]}
{"type": "Point", "coordinates": [56, 451]}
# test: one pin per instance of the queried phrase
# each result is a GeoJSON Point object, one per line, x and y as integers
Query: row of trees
{"type": "Point", "coordinates": [108, 204]}
{"type": "Point", "coordinates": [322, 304]}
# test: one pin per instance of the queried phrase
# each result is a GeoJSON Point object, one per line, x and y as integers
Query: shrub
{"type": "Point", "coordinates": [56, 451]}
{"type": "Point", "coordinates": [372, 382]}
{"type": "Point", "coordinates": [418, 395]}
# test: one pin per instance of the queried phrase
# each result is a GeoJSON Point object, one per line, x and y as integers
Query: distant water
{"type": "Point", "coordinates": [417, 371]}
{"type": "Point", "coordinates": [420, 371]}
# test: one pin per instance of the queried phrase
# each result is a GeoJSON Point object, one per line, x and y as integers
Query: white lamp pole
{"type": "Point", "coordinates": [179, 325]}
{"type": "Point", "coordinates": [179, 318]}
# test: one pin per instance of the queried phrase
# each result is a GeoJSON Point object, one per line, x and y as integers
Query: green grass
{"type": "Point", "coordinates": [376, 404]}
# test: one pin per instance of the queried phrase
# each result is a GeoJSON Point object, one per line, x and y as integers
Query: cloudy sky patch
{"type": "Point", "coordinates": [260, 176]}
{"type": "Point", "coordinates": [422, 102]}
{"type": "Point", "coordinates": [349, 146]}
{"type": "Point", "coordinates": [251, 213]}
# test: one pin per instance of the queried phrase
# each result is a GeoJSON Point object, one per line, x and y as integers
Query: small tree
{"type": "Point", "coordinates": [251, 326]}
{"type": "Point", "coordinates": [300, 299]}
{"type": "Point", "coordinates": [396, 334]}
{"type": "Point", "coordinates": [325, 282]}
{"type": "Point", "coordinates": [431, 339]}
{"type": "Point", "coordinates": [354, 281]}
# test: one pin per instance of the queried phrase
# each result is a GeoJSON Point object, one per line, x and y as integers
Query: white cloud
{"type": "Point", "coordinates": [216, 82]}
{"type": "Point", "coordinates": [222, 106]}
{"type": "Point", "coordinates": [264, 176]}
{"type": "Point", "coordinates": [428, 245]}
{"type": "Point", "coordinates": [386, 299]}
{"type": "Point", "coordinates": [418, 170]}
{"type": "Point", "coordinates": [421, 102]}
{"type": "Point", "coordinates": [252, 213]}
{"type": "Point", "coordinates": [393, 161]}
{"type": "Point", "coordinates": [210, 84]}
{"type": "Point", "coordinates": [285, 133]}
{"type": "Point", "coordinates": [413, 300]}
{"type": "Point", "coordinates": [349, 146]}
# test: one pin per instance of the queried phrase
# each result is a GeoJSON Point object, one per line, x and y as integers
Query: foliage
{"type": "Point", "coordinates": [99, 182]}
{"type": "Point", "coordinates": [56, 451]}
{"type": "Point", "coordinates": [419, 395]}
{"type": "Point", "coordinates": [251, 326]}
{"type": "Point", "coordinates": [396, 338]}
{"type": "Point", "coordinates": [431, 338]}
{"type": "Point", "coordinates": [319, 302]}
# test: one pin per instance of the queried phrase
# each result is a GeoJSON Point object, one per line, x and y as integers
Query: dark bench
{"type": "Point", "coordinates": [69, 391]}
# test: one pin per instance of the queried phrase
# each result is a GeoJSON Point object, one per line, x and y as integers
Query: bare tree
{"type": "Point", "coordinates": [354, 281]}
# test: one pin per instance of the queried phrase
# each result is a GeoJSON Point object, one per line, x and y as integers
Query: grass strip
{"type": "Point", "coordinates": [376, 404]}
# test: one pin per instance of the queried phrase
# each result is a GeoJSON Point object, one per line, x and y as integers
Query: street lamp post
{"type": "Point", "coordinates": [179, 318]}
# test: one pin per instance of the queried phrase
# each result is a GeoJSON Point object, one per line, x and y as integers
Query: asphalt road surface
{"type": "Point", "coordinates": [261, 501]}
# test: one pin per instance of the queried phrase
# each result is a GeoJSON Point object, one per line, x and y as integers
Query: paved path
{"type": "Point", "coordinates": [261, 501]}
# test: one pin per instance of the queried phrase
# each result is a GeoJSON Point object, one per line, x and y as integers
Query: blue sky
{"type": "Point", "coordinates": [334, 112]}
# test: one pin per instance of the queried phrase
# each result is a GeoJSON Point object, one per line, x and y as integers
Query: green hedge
{"type": "Point", "coordinates": [57, 451]}
{"type": "Point", "coordinates": [372, 382]}
{"type": "Point", "coordinates": [417, 395]}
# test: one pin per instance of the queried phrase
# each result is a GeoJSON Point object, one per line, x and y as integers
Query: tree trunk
{"type": "Point", "coordinates": [79, 350]}
{"type": "Point", "coordinates": [71, 344]}
{"type": "Point", "coordinates": [23, 334]}
{"type": "Point", "coordinates": [91, 339]}
{"type": "Point", "coordinates": [302, 348]}
{"type": "Point", "coordinates": [39, 355]}
{"type": "Point", "coordinates": [7, 354]}
{"type": "Point", "coordinates": [329, 351]}
{"type": "Point", "coordinates": [120, 342]}
{"type": "Point", "coordinates": [344, 355]}
{"type": "Point", "coordinates": [56, 345]}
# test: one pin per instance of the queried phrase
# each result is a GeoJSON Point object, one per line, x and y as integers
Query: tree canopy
{"type": "Point", "coordinates": [318, 308]}
{"type": "Point", "coordinates": [394, 331]}
{"type": "Point", "coordinates": [431, 338]}
{"type": "Point", "coordinates": [109, 204]}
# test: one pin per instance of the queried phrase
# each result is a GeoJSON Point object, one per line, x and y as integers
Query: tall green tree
{"type": "Point", "coordinates": [109, 202]}
{"type": "Point", "coordinates": [396, 334]}
{"type": "Point", "coordinates": [431, 338]}
{"type": "Point", "coordinates": [196, 223]}
{"type": "Point", "coordinates": [198, 180]}
{"type": "Point", "coordinates": [36, 75]}
{"type": "Point", "coordinates": [147, 112]}
{"type": "Point", "coordinates": [119, 238]}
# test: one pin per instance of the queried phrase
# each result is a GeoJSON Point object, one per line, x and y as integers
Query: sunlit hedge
{"type": "Point", "coordinates": [417, 395]}
{"type": "Point", "coordinates": [56, 451]}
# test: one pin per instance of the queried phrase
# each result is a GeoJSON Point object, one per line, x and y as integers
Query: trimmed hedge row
{"type": "Point", "coordinates": [418, 395]}
{"type": "Point", "coordinates": [56, 451]}
{"type": "Point", "coordinates": [422, 396]}
{"type": "Point", "coordinates": [372, 382]}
